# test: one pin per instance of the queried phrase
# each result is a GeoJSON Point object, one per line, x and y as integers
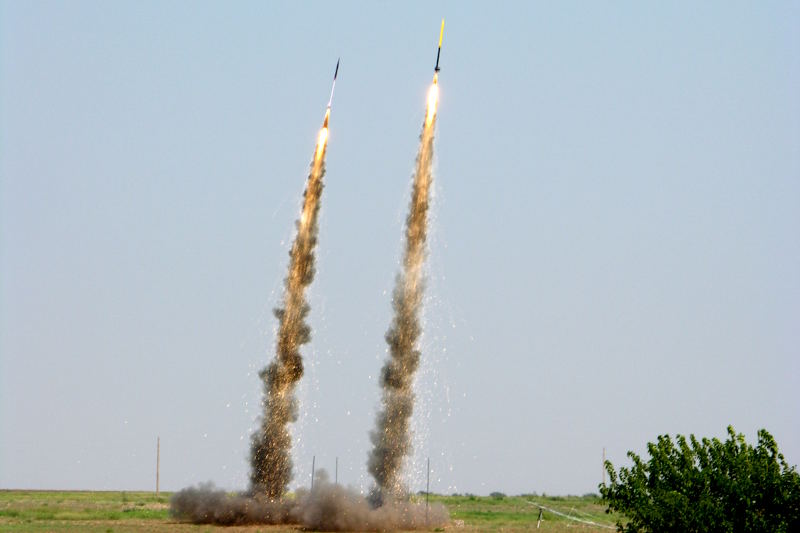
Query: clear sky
{"type": "Point", "coordinates": [615, 250]}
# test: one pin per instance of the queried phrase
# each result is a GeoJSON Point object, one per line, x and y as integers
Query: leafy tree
{"type": "Point", "coordinates": [706, 486]}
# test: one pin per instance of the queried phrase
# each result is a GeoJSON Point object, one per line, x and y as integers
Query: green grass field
{"type": "Point", "coordinates": [73, 511]}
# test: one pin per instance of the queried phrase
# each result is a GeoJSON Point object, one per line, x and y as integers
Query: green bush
{"type": "Point", "coordinates": [706, 486]}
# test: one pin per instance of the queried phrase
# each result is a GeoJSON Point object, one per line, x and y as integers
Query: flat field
{"type": "Point", "coordinates": [107, 512]}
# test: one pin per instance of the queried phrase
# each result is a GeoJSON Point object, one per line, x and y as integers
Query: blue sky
{"type": "Point", "coordinates": [615, 250]}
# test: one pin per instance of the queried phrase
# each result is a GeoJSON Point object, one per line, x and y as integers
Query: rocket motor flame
{"type": "Point", "coordinates": [433, 100]}
{"type": "Point", "coordinates": [322, 138]}
{"type": "Point", "coordinates": [322, 141]}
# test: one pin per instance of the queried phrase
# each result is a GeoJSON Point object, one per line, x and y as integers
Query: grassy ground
{"type": "Point", "coordinates": [521, 513]}
{"type": "Point", "coordinates": [117, 512]}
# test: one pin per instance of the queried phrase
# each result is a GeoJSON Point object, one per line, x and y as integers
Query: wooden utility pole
{"type": "Point", "coordinates": [336, 475]}
{"type": "Point", "coordinates": [313, 465]}
{"type": "Point", "coordinates": [158, 463]}
{"type": "Point", "coordinates": [604, 466]}
{"type": "Point", "coordinates": [427, 490]}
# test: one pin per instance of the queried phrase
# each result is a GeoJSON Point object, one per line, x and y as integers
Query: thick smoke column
{"type": "Point", "coordinates": [270, 459]}
{"type": "Point", "coordinates": [391, 438]}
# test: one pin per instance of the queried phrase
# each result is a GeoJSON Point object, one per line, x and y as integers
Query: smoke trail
{"type": "Point", "coordinates": [391, 438]}
{"type": "Point", "coordinates": [270, 460]}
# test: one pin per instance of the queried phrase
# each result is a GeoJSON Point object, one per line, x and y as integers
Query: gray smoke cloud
{"type": "Point", "coordinates": [326, 507]}
{"type": "Point", "coordinates": [391, 438]}
{"type": "Point", "coordinates": [270, 449]}
{"type": "Point", "coordinates": [206, 504]}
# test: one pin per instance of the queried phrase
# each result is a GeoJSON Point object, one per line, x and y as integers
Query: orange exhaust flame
{"type": "Point", "coordinates": [433, 100]}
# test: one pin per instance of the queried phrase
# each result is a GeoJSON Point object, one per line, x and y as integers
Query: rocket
{"type": "Point", "coordinates": [439, 52]}
{"type": "Point", "coordinates": [330, 100]}
{"type": "Point", "coordinates": [322, 141]}
{"type": "Point", "coordinates": [335, 73]}
{"type": "Point", "coordinates": [433, 92]}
